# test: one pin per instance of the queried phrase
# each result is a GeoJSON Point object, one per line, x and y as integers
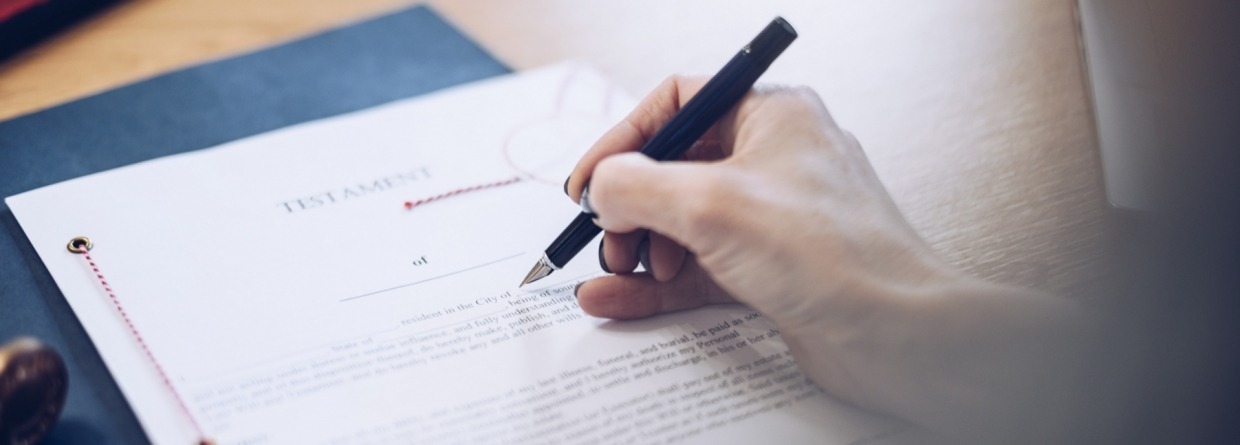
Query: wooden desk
{"type": "Point", "coordinates": [975, 113]}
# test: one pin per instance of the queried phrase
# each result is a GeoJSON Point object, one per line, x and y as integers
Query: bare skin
{"type": "Point", "coordinates": [779, 209]}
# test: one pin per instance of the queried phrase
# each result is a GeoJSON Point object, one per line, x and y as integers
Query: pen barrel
{"type": "Point", "coordinates": [572, 240]}
{"type": "Point", "coordinates": [721, 93]}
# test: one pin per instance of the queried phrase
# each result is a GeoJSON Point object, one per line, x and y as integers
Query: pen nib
{"type": "Point", "coordinates": [540, 270]}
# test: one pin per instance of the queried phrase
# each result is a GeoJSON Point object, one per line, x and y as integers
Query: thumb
{"type": "Point", "coordinates": [630, 191]}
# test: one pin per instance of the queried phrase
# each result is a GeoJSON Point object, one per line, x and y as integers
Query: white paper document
{"type": "Point", "coordinates": [290, 296]}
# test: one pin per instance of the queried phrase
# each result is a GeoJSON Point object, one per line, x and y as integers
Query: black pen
{"type": "Point", "coordinates": [716, 98]}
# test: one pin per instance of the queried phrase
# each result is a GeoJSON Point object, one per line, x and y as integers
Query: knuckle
{"type": "Point", "coordinates": [805, 93]}
{"type": "Point", "coordinates": [800, 98]}
{"type": "Point", "coordinates": [796, 101]}
{"type": "Point", "coordinates": [805, 100]}
{"type": "Point", "coordinates": [609, 181]}
{"type": "Point", "coordinates": [602, 180]}
{"type": "Point", "coordinates": [797, 91]}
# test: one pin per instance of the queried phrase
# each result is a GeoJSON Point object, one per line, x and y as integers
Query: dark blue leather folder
{"type": "Point", "coordinates": [388, 58]}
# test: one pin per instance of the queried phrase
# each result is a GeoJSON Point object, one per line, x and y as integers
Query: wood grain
{"type": "Point", "coordinates": [975, 113]}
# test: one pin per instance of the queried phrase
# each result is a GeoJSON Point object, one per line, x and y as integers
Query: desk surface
{"type": "Point", "coordinates": [975, 114]}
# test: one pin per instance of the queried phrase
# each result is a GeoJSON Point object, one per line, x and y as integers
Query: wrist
{"type": "Point", "coordinates": [853, 340]}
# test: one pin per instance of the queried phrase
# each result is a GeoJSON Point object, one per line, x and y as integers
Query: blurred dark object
{"type": "Point", "coordinates": [1163, 74]}
{"type": "Point", "coordinates": [24, 23]}
{"type": "Point", "coordinates": [33, 384]}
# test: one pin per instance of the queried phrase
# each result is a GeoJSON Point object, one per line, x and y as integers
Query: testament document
{"type": "Point", "coordinates": [353, 280]}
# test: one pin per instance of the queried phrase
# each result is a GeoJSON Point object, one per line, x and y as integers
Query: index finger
{"type": "Point", "coordinates": [639, 126]}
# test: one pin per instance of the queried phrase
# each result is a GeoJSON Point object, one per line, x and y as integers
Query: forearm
{"type": "Point", "coordinates": [960, 356]}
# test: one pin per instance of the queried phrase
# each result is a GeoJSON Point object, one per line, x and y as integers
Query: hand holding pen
{"type": "Point", "coordinates": [778, 208]}
{"type": "Point", "coordinates": [674, 136]}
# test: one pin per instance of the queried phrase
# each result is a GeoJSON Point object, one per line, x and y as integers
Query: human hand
{"type": "Point", "coordinates": [776, 207]}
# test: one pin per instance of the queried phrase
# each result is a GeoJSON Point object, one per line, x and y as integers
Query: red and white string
{"type": "Point", "coordinates": [505, 149]}
{"type": "Point", "coordinates": [137, 336]}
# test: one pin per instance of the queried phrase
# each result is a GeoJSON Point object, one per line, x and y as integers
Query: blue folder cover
{"type": "Point", "coordinates": [396, 56]}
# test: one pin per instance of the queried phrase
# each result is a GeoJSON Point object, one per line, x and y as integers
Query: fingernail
{"type": "Point", "coordinates": [577, 288]}
{"type": "Point", "coordinates": [602, 262]}
{"type": "Point", "coordinates": [585, 201]}
{"type": "Point", "coordinates": [566, 185]}
{"type": "Point", "coordinates": [643, 254]}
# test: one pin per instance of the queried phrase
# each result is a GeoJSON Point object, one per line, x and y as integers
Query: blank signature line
{"type": "Point", "coordinates": [433, 278]}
